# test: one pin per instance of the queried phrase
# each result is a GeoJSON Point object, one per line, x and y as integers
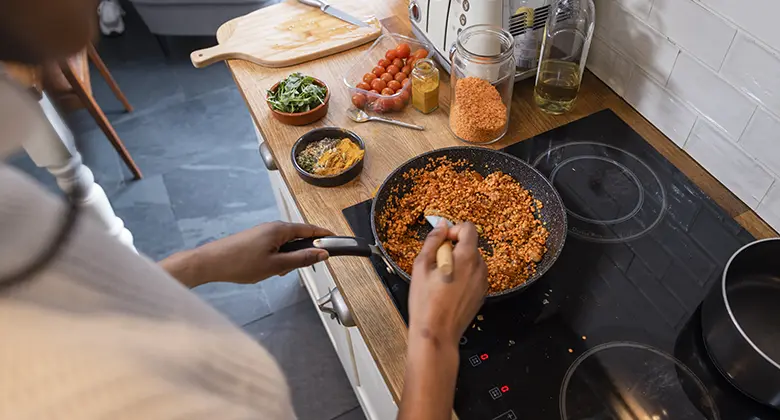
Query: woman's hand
{"type": "Point", "coordinates": [246, 257]}
{"type": "Point", "coordinates": [441, 306]}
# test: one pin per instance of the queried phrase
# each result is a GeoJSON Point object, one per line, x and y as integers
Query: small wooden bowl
{"type": "Point", "coordinates": [332, 180]}
{"type": "Point", "coordinates": [301, 118]}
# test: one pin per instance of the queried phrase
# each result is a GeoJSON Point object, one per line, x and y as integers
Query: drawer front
{"type": "Point", "coordinates": [372, 391]}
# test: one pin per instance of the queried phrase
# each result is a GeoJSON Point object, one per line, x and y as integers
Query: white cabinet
{"type": "Point", "coordinates": [359, 366]}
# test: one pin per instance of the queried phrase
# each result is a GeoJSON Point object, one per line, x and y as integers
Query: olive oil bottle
{"type": "Point", "coordinates": [558, 83]}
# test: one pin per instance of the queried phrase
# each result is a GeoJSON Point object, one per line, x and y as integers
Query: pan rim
{"type": "Point", "coordinates": [726, 302]}
{"type": "Point", "coordinates": [559, 204]}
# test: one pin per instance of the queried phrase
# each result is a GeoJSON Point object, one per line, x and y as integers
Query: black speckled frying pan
{"type": "Point", "coordinates": [484, 161]}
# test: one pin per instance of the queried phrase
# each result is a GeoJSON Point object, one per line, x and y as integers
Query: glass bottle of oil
{"type": "Point", "coordinates": [425, 86]}
{"type": "Point", "coordinates": [565, 46]}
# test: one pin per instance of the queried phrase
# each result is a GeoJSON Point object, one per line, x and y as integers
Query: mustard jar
{"type": "Point", "coordinates": [425, 86]}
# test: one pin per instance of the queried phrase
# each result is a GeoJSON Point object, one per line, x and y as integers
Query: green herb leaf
{"type": "Point", "coordinates": [297, 93]}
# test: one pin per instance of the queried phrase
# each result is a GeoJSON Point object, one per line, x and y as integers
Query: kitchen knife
{"type": "Point", "coordinates": [338, 14]}
{"type": "Point", "coordinates": [444, 253]}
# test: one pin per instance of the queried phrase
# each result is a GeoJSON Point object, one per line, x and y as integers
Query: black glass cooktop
{"type": "Point", "coordinates": [645, 244]}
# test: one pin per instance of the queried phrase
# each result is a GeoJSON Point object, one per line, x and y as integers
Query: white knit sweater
{"type": "Point", "coordinates": [103, 333]}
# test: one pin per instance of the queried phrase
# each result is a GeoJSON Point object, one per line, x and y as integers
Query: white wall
{"type": "Point", "coordinates": [707, 74]}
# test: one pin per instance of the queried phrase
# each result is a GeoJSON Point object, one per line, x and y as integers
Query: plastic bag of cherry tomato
{"type": "Point", "coordinates": [380, 80]}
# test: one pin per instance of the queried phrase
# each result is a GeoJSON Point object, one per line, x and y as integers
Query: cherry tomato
{"type": "Point", "coordinates": [359, 100]}
{"type": "Point", "coordinates": [410, 62]}
{"type": "Point", "coordinates": [386, 104]}
{"type": "Point", "coordinates": [393, 70]}
{"type": "Point", "coordinates": [400, 76]}
{"type": "Point", "coordinates": [405, 95]}
{"type": "Point", "coordinates": [407, 70]}
{"type": "Point", "coordinates": [403, 50]}
{"type": "Point", "coordinates": [398, 63]}
{"type": "Point", "coordinates": [386, 77]}
{"type": "Point", "coordinates": [368, 77]}
{"type": "Point", "coordinates": [384, 62]}
{"type": "Point", "coordinates": [406, 82]}
{"type": "Point", "coordinates": [388, 92]}
{"type": "Point", "coordinates": [421, 53]}
{"type": "Point", "coordinates": [390, 55]}
{"type": "Point", "coordinates": [378, 71]}
{"type": "Point", "coordinates": [393, 84]}
{"type": "Point", "coordinates": [363, 85]}
{"type": "Point", "coordinates": [398, 104]}
{"type": "Point", "coordinates": [374, 91]}
{"type": "Point", "coordinates": [378, 85]}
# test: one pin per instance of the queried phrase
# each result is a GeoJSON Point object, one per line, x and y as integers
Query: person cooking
{"type": "Point", "coordinates": [91, 330]}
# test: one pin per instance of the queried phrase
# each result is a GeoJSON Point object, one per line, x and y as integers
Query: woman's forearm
{"type": "Point", "coordinates": [185, 266]}
{"type": "Point", "coordinates": [431, 372]}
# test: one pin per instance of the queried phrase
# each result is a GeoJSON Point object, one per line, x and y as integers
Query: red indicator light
{"type": "Point", "coordinates": [483, 356]}
{"type": "Point", "coordinates": [504, 389]}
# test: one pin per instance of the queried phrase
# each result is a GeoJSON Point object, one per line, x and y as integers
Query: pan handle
{"type": "Point", "coordinates": [335, 245]}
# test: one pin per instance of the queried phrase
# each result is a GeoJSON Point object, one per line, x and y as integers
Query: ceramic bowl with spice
{"type": "Point", "coordinates": [298, 99]}
{"type": "Point", "coordinates": [328, 156]}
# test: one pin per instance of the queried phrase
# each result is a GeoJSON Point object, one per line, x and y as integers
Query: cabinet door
{"type": "Point", "coordinates": [372, 391]}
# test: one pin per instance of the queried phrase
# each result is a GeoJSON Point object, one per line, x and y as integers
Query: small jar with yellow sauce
{"type": "Point", "coordinates": [425, 86]}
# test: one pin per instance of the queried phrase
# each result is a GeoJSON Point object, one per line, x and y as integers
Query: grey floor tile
{"type": "Point", "coordinates": [242, 303]}
{"type": "Point", "coordinates": [201, 230]}
{"type": "Point", "coordinates": [148, 86]}
{"type": "Point", "coordinates": [354, 414]}
{"type": "Point", "coordinates": [284, 291]}
{"type": "Point", "coordinates": [146, 210]}
{"type": "Point", "coordinates": [102, 159]}
{"type": "Point", "coordinates": [297, 339]}
{"type": "Point", "coordinates": [231, 182]}
{"type": "Point", "coordinates": [188, 132]}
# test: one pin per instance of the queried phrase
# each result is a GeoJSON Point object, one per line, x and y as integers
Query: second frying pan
{"type": "Point", "coordinates": [485, 162]}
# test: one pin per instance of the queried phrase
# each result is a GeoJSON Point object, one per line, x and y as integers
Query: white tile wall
{"type": "Point", "coordinates": [762, 139]}
{"type": "Point", "coordinates": [758, 17]}
{"type": "Point", "coordinates": [668, 114]}
{"type": "Point", "coordinates": [730, 164]}
{"type": "Point", "coordinates": [707, 74]}
{"type": "Point", "coordinates": [702, 33]}
{"type": "Point", "coordinates": [754, 70]}
{"type": "Point", "coordinates": [646, 47]}
{"type": "Point", "coordinates": [710, 95]}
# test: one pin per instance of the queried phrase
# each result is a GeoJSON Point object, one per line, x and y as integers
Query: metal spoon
{"type": "Point", "coordinates": [360, 116]}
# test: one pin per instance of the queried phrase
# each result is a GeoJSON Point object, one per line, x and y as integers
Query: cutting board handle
{"type": "Point", "coordinates": [208, 56]}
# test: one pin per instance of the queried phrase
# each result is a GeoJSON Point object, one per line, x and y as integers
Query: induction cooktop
{"type": "Point", "coordinates": [644, 246]}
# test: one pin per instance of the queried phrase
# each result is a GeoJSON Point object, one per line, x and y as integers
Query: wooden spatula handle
{"type": "Point", "coordinates": [444, 260]}
{"type": "Point", "coordinates": [208, 56]}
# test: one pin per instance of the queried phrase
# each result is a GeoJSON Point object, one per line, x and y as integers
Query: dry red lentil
{"type": "Point", "coordinates": [497, 204]}
{"type": "Point", "coordinates": [477, 115]}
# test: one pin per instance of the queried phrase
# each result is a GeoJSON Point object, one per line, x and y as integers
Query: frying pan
{"type": "Point", "coordinates": [741, 321]}
{"type": "Point", "coordinates": [484, 161]}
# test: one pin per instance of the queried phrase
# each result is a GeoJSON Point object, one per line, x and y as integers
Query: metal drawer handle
{"type": "Point", "coordinates": [268, 158]}
{"type": "Point", "coordinates": [338, 309]}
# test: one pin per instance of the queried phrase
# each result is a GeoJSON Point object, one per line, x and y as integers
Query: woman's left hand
{"type": "Point", "coordinates": [248, 256]}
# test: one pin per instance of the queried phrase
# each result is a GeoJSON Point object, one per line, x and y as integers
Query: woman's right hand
{"type": "Point", "coordinates": [442, 306]}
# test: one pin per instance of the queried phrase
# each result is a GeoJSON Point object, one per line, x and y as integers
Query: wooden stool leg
{"type": "Point", "coordinates": [98, 62]}
{"type": "Point", "coordinates": [100, 118]}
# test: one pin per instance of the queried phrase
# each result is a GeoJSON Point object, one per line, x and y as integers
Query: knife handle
{"type": "Point", "coordinates": [314, 3]}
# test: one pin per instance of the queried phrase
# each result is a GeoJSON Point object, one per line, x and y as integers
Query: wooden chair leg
{"type": "Point", "coordinates": [98, 62]}
{"type": "Point", "coordinates": [100, 118]}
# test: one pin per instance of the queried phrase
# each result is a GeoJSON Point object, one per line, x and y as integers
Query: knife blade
{"type": "Point", "coordinates": [346, 17]}
{"type": "Point", "coordinates": [336, 13]}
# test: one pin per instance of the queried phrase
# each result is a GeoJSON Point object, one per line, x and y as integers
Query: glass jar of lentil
{"type": "Point", "coordinates": [482, 77]}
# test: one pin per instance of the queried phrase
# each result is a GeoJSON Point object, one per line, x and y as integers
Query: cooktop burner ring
{"type": "Point", "coordinates": [634, 192]}
{"type": "Point", "coordinates": [626, 171]}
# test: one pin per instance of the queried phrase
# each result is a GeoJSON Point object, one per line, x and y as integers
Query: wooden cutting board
{"type": "Point", "coordinates": [289, 33]}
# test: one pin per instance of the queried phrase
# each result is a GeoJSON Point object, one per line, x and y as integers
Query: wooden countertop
{"type": "Point", "coordinates": [388, 146]}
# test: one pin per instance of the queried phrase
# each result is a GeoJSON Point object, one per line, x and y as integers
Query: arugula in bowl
{"type": "Point", "coordinates": [297, 93]}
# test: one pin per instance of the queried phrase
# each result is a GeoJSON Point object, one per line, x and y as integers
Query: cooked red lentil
{"type": "Point", "coordinates": [497, 204]}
